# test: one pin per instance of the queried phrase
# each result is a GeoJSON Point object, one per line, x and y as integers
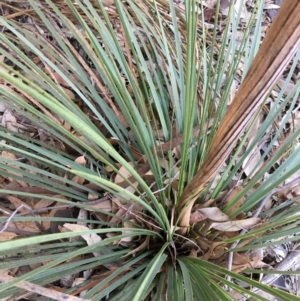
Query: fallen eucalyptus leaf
{"type": "Point", "coordinates": [236, 225]}
{"type": "Point", "coordinates": [214, 214]}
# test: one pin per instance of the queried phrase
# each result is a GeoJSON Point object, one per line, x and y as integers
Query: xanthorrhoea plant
{"type": "Point", "coordinates": [135, 89]}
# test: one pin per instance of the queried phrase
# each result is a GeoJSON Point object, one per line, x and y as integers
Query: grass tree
{"type": "Point", "coordinates": [126, 114]}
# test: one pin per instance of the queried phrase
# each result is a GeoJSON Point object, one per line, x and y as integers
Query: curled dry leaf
{"type": "Point", "coordinates": [236, 225]}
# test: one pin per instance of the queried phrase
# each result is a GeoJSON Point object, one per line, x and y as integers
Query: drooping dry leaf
{"type": "Point", "coordinates": [283, 38]}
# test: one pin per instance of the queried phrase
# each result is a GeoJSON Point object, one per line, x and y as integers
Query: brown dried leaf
{"type": "Point", "coordinates": [250, 164]}
{"type": "Point", "coordinates": [12, 157]}
{"type": "Point", "coordinates": [104, 205]}
{"type": "Point", "coordinates": [120, 213]}
{"type": "Point", "coordinates": [118, 179]}
{"type": "Point", "coordinates": [129, 224]}
{"type": "Point", "coordinates": [56, 212]}
{"type": "Point", "coordinates": [236, 225]}
{"type": "Point", "coordinates": [142, 247]}
{"type": "Point", "coordinates": [91, 238]}
{"type": "Point", "coordinates": [211, 248]}
{"type": "Point", "coordinates": [22, 207]}
{"type": "Point", "coordinates": [214, 214]}
{"type": "Point", "coordinates": [43, 203]}
{"type": "Point", "coordinates": [250, 264]}
{"type": "Point", "coordinates": [78, 180]}
{"type": "Point", "coordinates": [29, 226]}
{"type": "Point", "coordinates": [238, 204]}
{"type": "Point", "coordinates": [193, 253]}
{"type": "Point", "coordinates": [210, 3]}
{"type": "Point", "coordinates": [92, 197]}
{"type": "Point", "coordinates": [9, 121]}
{"type": "Point", "coordinates": [107, 3]}
{"type": "Point", "coordinates": [80, 160]}
{"type": "Point", "coordinates": [240, 258]}
{"type": "Point", "coordinates": [196, 217]}
{"type": "Point", "coordinates": [4, 236]}
{"type": "Point", "coordinates": [281, 83]}
{"type": "Point", "coordinates": [218, 252]}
